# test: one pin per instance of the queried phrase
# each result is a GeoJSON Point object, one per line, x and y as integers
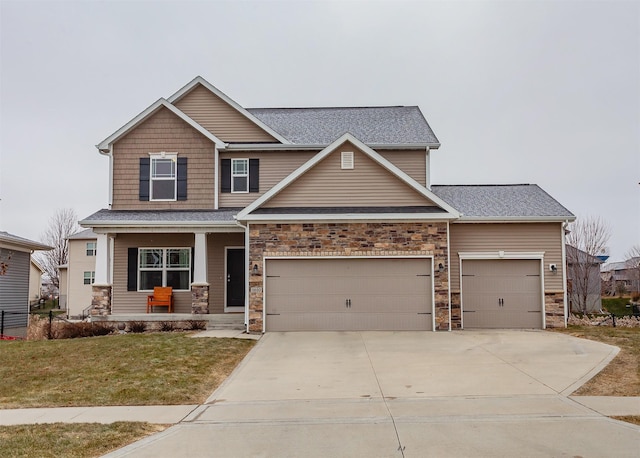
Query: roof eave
{"type": "Point", "coordinates": [514, 219]}
{"type": "Point", "coordinates": [319, 146]}
{"type": "Point", "coordinates": [329, 217]}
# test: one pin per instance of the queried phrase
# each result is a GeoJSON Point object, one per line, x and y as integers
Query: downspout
{"type": "Point", "coordinates": [247, 272]}
{"type": "Point", "coordinates": [563, 226]}
{"type": "Point", "coordinates": [216, 172]}
{"type": "Point", "coordinates": [449, 272]}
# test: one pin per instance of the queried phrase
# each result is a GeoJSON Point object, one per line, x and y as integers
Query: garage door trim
{"type": "Point", "coordinates": [265, 276]}
{"type": "Point", "coordinates": [497, 255]}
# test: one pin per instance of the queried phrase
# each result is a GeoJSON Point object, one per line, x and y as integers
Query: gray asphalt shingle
{"type": "Point", "coordinates": [163, 216]}
{"type": "Point", "coordinates": [371, 125]}
{"type": "Point", "coordinates": [494, 201]}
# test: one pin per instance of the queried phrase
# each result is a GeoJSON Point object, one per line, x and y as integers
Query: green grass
{"type": "Point", "coordinates": [616, 305]}
{"type": "Point", "coordinates": [78, 440]}
{"type": "Point", "coordinates": [132, 369]}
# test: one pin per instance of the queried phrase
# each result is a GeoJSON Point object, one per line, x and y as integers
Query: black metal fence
{"type": "Point", "coordinates": [5, 315]}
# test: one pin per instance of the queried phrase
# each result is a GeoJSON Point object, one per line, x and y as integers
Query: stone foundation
{"type": "Point", "coordinates": [456, 311]}
{"type": "Point", "coordinates": [199, 299]}
{"type": "Point", "coordinates": [101, 300]}
{"type": "Point", "coordinates": [554, 309]}
{"type": "Point", "coordinates": [349, 239]}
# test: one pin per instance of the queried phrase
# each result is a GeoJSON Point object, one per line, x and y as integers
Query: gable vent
{"type": "Point", "coordinates": [347, 160]}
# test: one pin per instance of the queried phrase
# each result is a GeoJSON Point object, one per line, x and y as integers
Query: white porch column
{"type": "Point", "coordinates": [102, 260]}
{"type": "Point", "coordinates": [200, 260]}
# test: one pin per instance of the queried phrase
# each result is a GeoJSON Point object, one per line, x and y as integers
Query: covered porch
{"type": "Point", "coordinates": [204, 262]}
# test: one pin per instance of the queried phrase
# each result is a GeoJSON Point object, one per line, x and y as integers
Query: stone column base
{"type": "Point", "coordinates": [101, 300]}
{"type": "Point", "coordinates": [199, 299]}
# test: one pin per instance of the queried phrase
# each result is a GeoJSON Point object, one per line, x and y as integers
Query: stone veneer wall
{"type": "Point", "coordinates": [101, 300]}
{"type": "Point", "coordinates": [199, 299]}
{"type": "Point", "coordinates": [349, 239]}
{"type": "Point", "coordinates": [456, 311]}
{"type": "Point", "coordinates": [554, 309]}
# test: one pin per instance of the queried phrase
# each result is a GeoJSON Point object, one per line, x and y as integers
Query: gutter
{"type": "Point", "coordinates": [320, 146]}
{"type": "Point", "coordinates": [515, 219]}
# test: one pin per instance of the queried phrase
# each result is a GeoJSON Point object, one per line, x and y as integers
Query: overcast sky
{"type": "Point", "coordinates": [517, 92]}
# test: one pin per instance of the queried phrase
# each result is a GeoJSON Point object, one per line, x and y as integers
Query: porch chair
{"type": "Point", "coordinates": [162, 297]}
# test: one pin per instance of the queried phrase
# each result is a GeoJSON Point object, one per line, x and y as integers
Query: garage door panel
{"type": "Point", "coordinates": [348, 294]}
{"type": "Point", "coordinates": [501, 294]}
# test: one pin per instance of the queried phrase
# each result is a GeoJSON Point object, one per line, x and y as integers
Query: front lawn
{"type": "Point", "coordinates": [70, 440]}
{"type": "Point", "coordinates": [617, 305]}
{"type": "Point", "coordinates": [622, 376]}
{"type": "Point", "coordinates": [131, 369]}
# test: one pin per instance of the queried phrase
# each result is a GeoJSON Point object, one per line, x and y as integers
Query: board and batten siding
{"type": "Point", "coordinates": [509, 237]}
{"type": "Point", "coordinates": [220, 118]}
{"type": "Point", "coordinates": [163, 131]}
{"type": "Point", "coordinates": [411, 162]}
{"type": "Point", "coordinates": [136, 301]}
{"type": "Point", "coordinates": [368, 184]}
{"type": "Point", "coordinates": [274, 167]}
{"type": "Point", "coordinates": [216, 278]}
{"type": "Point", "coordinates": [14, 288]}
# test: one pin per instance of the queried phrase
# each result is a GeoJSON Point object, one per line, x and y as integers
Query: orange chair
{"type": "Point", "coordinates": [162, 297]}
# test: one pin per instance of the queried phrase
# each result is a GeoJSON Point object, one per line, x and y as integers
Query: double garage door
{"type": "Point", "coordinates": [348, 294]}
{"type": "Point", "coordinates": [501, 294]}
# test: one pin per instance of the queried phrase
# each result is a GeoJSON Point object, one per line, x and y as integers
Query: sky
{"type": "Point", "coordinates": [516, 91]}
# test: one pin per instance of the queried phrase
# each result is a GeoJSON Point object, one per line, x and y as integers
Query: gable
{"type": "Point", "coordinates": [220, 118]}
{"type": "Point", "coordinates": [368, 184]}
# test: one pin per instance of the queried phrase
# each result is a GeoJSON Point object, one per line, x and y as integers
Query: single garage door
{"type": "Point", "coordinates": [501, 294]}
{"type": "Point", "coordinates": [348, 294]}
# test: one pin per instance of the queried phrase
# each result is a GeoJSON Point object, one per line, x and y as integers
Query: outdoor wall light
{"type": "Point", "coordinates": [553, 268]}
{"type": "Point", "coordinates": [255, 269]}
{"type": "Point", "coordinates": [440, 267]}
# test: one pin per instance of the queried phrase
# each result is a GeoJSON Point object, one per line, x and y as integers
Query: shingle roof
{"type": "Point", "coordinates": [22, 242]}
{"type": "Point", "coordinates": [372, 125]}
{"type": "Point", "coordinates": [161, 216]}
{"type": "Point", "coordinates": [83, 235]}
{"type": "Point", "coordinates": [501, 201]}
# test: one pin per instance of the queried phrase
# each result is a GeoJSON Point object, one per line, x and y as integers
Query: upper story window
{"type": "Point", "coordinates": [163, 177]}
{"type": "Point", "coordinates": [91, 248]}
{"type": "Point", "coordinates": [239, 175]}
{"type": "Point", "coordinates": [163, 182]}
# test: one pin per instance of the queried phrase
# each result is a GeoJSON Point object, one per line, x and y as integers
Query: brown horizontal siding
{"type": "Point", "coordinates": [220, 118]}
{"type": "Point", "coordinates": [274, 167]}
{"type": "Point", "coordinates": [528, 237]}
{"type": "Point", "coordinates": [216, 244]}
{"type": "Point", "coordinates": [124, 301]}
{"type": "Point", "coordinates": [413, 163]}
{"type": "Point", "coordinates": [327, 185]}
{"type": "Point", "coordinates": [163, 131]}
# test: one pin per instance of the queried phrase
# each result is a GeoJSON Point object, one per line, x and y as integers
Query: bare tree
{"type": "Point", "coordinates": [633, 264]}
{"type": "Point", "coordinates": [589, 238]}
{"type": "Point", "coordinates": [5, 257]}
{"type": "Point", "coordinates": [62, 224]}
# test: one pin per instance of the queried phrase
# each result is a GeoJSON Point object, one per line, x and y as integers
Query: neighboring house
{"type": "Point", "coordinates": [317, 219]}
{"type": "Point", "coordinates": [78, 275]}
{"type": "Point", "coordinates": [35, 280]}
{"type": "Point", "coordinates": [583, 276]}
{"type": "Point", "coordinates": [621, 276]}
{"type": "Point", "coordinates": [15, 269]}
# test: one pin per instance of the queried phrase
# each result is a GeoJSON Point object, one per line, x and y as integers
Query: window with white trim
{"type": "Point", "coordinates": [163, 178]}
{"type": "Point", "coordinates": [164, 267]}
{"type": "Point", "coordinates": [89, 278]}
{"type": "Point", "coordinates": [91, 248]}
{"type": "Point", "coordinates": [239, 175]}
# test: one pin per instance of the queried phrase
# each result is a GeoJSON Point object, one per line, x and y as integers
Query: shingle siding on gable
{"type": "Point", "coordinates": [163, 132]}
{"type": "Point", "coordinates": [327, 185]}
{"type": "Point", "coordinates": [221, 119]}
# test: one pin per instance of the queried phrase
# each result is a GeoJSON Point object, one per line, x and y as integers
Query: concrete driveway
{"type": "Point", "coordinates": [411, 394]}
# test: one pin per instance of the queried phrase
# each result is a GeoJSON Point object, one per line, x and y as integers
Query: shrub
{"type": "Point", "coordinates": [195, 325]}
{"type": "Point", "coordinates": [137, 326]}
{"type": "Point", "coordinates": [166, 326]}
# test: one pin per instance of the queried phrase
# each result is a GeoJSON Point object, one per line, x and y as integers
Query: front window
{"type": "Point", "coordinates": [163, 177]}
{"type": "Point", "coordinates": [89, 278]}
{"type": "Point", "coordinates": [91, 248]}
{"type": "Point", "coordinates": [239, 175]}
{"type": "Point", "coordinates": [164, 267]}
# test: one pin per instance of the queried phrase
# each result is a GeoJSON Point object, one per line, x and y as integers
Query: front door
{"type": "Point", "coordinates": [235, 277]}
